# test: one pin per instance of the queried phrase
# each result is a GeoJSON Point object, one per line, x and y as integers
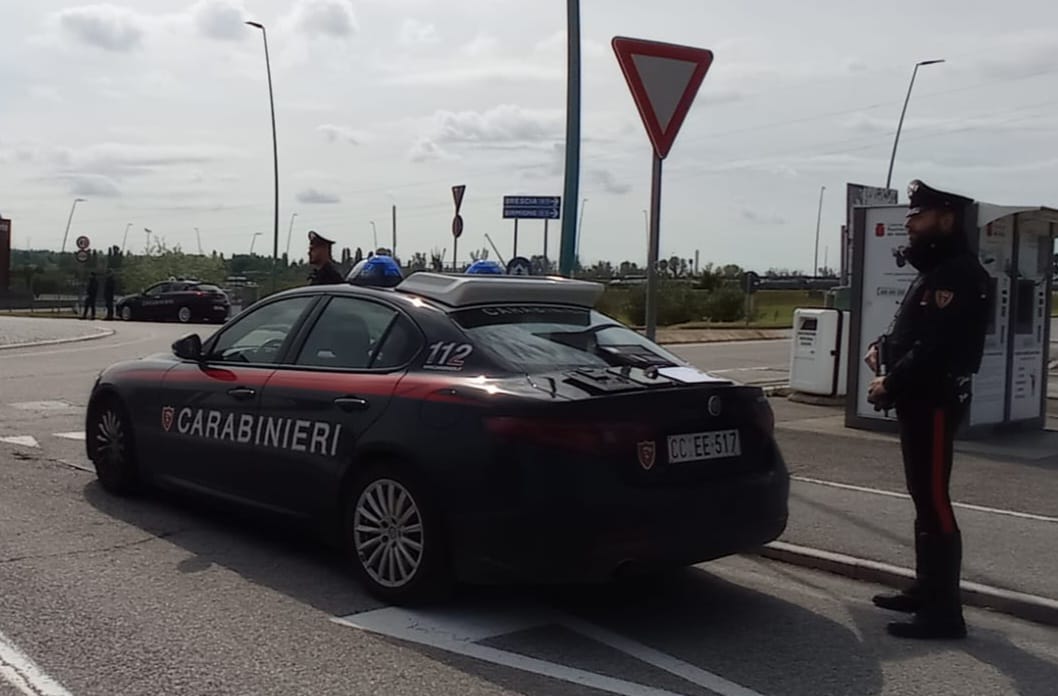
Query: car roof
{"type": "Point", "coordinates": [455, 291]}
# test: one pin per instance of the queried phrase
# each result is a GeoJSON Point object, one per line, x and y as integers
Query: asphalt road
{"type": "Point", "coordinates": [166, 596]}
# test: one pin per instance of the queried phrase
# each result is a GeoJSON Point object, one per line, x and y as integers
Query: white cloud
{"type": "Point", "coordinates": [91, 185]}
{"type": "Point", "coordinates": [124, 159]}
{"type": "Point", "coordinates": [481, 46]}
{"type": "Point", "coordinates": [220, 19]}
{"type": "Point", "coordinates": [335, 134]}
{"type": "Point", "coordinates": [334, 18]}
{"type": "Point", "coordinates": [416, 33]}
{"type": "Point", "coordinates": [506, 123]}
{"type": "Point", "coordinates": [608, 182]}
{"type": "Point", "coordinates": [555, 46]}
{"type": "Point", "coordinates": [108, 27]}
{"type": "Point", "coordinates": [762, 218]}
{"type": "Point", "coordinates": [45, 93]}
{"type": "Point", "coordinates": [856, 65]}
{"type": "Point", "coordinates": [313, 196]}
{"type": "Point", "coordinates": [426, 150]}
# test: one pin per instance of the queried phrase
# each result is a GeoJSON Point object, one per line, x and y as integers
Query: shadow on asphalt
{"type": "Point", "coordinates": [746, 636]}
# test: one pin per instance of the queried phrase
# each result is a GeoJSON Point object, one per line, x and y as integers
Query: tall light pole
{"type": "Point", "coordinates": [568, 247]}
{"type": "Point", "coordinates": [253, 240]}
{"type": "Point", "coordinates": [275, 156]}
{"type": "Point", "coordinates": [125, 237]}
{"type": "Point", "coordinates": [580, 225]}
{"type": "Point", "coordinates": [147, 251]}
{"type": "Point", "coordinates": [374, 234]}
{"type": "Point", "coordinates": [900, 125]}
{"type": "Point", "coordinates": [198, 237]}
{"type": "Point", "coordinates": [68, 221]}
{"type": "Point", "coordinates": [289, 232]}
{"type": "Point", "coordinates": [819, 217]}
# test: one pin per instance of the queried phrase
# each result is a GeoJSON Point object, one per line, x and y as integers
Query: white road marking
{"type": "Point", "coordinates": [42, 405]}
{"type": "Point", "coordinates": [91, 345]}
{"type": "Point", "coordinates": [458, 630]}
{"type": "Point", "coordinates": [21, 440]}
{"type": "Point", "coordinates": [905, 496]}
{"type": "Point", "coordinates": [73, 435]}
{"type": "Point", "coordinates": [22, 673]}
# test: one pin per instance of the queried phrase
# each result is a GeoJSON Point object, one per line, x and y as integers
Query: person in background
{"type": "Point", "coordinates": [108, 293]}
{"type": "Point", "coordinates": [90, 296]}
{"type": "Point", "coordinates": [324, 270]}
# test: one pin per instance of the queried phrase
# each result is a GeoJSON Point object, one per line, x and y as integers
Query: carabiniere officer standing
{"type": "Point", "coordinates": [933, 348]}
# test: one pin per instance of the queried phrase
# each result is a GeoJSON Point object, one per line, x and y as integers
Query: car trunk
{"type": "Point", "coordinates": [648, 431]}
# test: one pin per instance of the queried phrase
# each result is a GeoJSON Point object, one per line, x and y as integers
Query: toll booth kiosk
{"type": "Point", "coordinates": [1015, 245]}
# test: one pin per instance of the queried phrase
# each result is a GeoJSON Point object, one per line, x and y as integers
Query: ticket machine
{"type": "Point", "coordinates": [1015, 246]}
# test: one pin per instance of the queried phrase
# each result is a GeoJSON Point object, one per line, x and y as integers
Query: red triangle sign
{"type": "Point", "coordinates": [664, 79]}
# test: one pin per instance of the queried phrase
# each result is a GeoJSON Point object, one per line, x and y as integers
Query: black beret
{"type": "Point", "coordinates": [922, 197]}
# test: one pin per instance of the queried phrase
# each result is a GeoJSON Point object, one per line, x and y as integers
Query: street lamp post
{"type": "Point", "coordinates": [198, 238]}
{"type": "Point", "coordinates": [289, 232]}
{"type": "Point", "coordinates": [374, 234]}
{"type": "Point", "coordinates": [275, 156]}
{"type": "Point", "coordinates": [125, 237]}
{"type": "Point", "coordinates": [253, 240]}
{"type": "Point", "coordinates": [68, 221]}
{"type": "Point", "coordinates": [580, 230]}
{"type": "Point", "coordinates": [819, 217]}
{"type": "Point", "coordinates": [900, 125]}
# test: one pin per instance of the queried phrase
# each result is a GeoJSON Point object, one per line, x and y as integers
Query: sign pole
{"type": "Point", "coordinates": [568, 245]}
{"type": "Point", "coordinates": [545, 246]}
{"type": "Point", "coordinates": [652, 248]}
{"type": "Point", "coordinates": [515, 237]}
{"type": "Point", "coordinates": [455, 254]}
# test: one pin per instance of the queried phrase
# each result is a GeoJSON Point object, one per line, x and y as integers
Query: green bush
{"type": "Point", "coordinates": [726, 304]}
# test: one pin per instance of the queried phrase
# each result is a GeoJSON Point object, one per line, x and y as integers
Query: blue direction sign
{"type": "Point", "coordinates": [532, 207]}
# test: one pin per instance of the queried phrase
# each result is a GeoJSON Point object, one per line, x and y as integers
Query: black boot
{"type": "Point", "coordinates": [940, 615]}
{"type": "Point", "coordinates": [910, 600]}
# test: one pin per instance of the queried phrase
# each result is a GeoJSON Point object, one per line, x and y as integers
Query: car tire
{"type": "Point", "coordinates": [183, 315]}
{"type": "Point", "coordinates": [395, 537]}
{"type": "Point", "coordinates": [126, 313]}
{"type": "Point", "coordinates": [112, 447]}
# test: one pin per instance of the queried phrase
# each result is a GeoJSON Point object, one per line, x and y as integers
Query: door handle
{"type": "Point", "coordinates": [242, 393]}
{"type": "Point", "coordinates": [351, 403]}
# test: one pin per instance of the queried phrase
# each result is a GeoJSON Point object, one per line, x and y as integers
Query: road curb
{"type": "Point", "coordinates": [1029, 607]}
{"type": "Point", "coordinates": [103, 333]}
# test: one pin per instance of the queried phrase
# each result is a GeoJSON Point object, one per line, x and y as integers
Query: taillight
{"type": "Point", "coordinates": [764, 416]}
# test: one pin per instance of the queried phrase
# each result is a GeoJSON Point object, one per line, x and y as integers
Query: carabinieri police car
{"type": "Point", "coordinates": [481, 428]}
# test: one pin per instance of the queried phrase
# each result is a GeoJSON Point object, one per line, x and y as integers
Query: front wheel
{"type": "Point", "coordinates": [126, 313]}
{"type": "Point", "coordinates": [112, 449]}
{"type": "Point", "coordinates": [395, 537]}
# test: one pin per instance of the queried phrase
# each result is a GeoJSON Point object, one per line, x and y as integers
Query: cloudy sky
{"type": "Point", "coordinates": [156, 112]}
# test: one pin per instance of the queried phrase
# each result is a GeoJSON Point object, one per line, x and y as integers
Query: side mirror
{"type": "Point", "coordinates": [188, 348]}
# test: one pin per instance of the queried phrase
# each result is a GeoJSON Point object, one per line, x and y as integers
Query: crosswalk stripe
{"type": "Point", "coordinates": [21, 440]}
{"type": "Point", "coordinates": [74, 435]}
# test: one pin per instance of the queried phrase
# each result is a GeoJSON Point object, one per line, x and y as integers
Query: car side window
{"type": "Point", "coordinates": [346, 334]}
{"type": "Point", "coordinates": [258, 336]}
{"type": "Point", "coordinates": [156, 290]}
{"type": "Point", "coordinates": [399, 345]}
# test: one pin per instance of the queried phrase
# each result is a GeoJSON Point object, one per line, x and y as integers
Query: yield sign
{"type": "Point", "coordinates": [457, 195]}
{"type": "Point", "coordinates": [664, 79]}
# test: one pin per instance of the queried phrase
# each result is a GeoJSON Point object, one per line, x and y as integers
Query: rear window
{"type": "Point", "coordinates": [545, 338]}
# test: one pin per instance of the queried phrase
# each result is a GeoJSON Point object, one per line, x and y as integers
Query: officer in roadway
{"type": "Point", "coordinates": [324, 270]}
{"type": "Point", "coordinates": [932, 349]}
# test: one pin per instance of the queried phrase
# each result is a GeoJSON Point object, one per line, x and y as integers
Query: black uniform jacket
{"type": "Point", "coordinates": [937, 338]}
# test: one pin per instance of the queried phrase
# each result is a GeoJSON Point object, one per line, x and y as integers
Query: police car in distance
{"type": "Point", "coordinates": [181, 300]}
{"type": "Point", "coordinates": [480, 428]}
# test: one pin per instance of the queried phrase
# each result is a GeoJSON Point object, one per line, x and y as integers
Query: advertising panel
{"type": "Point", "coordinates": [995, 249]}
{"type": "Point", "coordinates": [1029, 314]}
{"type": "Point", "coordinates": [859, 195]}
{"type": "Point", "coordinates": [884, 280]}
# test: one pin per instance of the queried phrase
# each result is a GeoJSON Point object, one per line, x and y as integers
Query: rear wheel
{"type": "Point", "coordinates": [395, 538]}
{"type": "Point", "coordinates": [126, 313]}
{"type": "Point", "coordinates": [184, 315]}
{"type": "Point", "coordinates": [112, 448]}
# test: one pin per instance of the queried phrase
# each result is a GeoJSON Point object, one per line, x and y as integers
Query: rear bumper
{"type": "Point", "coordinates": [556, 541]}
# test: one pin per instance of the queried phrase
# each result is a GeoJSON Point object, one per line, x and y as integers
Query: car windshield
{"type": "Point", "coordinates": [544, 338]}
